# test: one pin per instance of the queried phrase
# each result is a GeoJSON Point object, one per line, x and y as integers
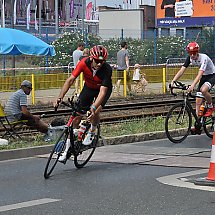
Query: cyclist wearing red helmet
{"type": "Point", "coordinates": [98, 86]}
{"type": "Point", "coordinates": [205, 76]}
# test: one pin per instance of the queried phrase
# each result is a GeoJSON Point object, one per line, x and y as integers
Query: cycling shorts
{"type": "Point", "coordinates": [88, 95]}
{"type": "Point", "coordinates": [209, 80]}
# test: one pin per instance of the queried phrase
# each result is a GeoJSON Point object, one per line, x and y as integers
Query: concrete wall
{"type": "Point", "coordinates": [112, 21]}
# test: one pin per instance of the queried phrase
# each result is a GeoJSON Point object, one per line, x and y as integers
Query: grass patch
{"type": "Point", "coordinates": [36, 140]}
{"type": "Point", "coordinates": [149, 124]}
{"type": "Point", "coordinates": [135, 126]}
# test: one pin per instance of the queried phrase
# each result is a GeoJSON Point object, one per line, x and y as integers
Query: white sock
{"type": "Point", "coordinates": [210, 105]}
{"type": "Point", "coordinates": [93, 127]}
{"type": "Point", "coordinates": [67, 145]}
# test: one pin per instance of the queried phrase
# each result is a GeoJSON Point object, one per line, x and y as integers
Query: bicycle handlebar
{"type": "Point", "coordinates": [74, 106]}
{"type": "Point", "coordinates": [181, 86]}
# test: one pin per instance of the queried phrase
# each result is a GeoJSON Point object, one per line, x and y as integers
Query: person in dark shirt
{"type": "Point", "coordinates": [169, 6]}
{"type": "Point", "coordinates": [96, 91]}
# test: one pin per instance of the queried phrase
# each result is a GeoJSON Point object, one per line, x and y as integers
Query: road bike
{"type": "Point", "coordinates": [179, 118]}
{"type": "Point", "coordinates": [81, 154]}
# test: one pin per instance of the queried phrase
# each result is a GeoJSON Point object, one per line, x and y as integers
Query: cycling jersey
{"type": "Point", "coordinates": [94, 79]}
{"type": "Point", "coordinates": [203, 62]}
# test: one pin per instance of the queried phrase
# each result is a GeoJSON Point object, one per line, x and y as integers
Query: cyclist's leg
{"type": "Point", "coordinates": [199, 100]}
{"type": "Point", "coordinates": [198, 104]}
{"type": "Point", "coordinates": [208, 84]}
{"type": "Point", "coordinates": [199, 94]}
{"type": "Point", "coordinates": [96, 118]}
{"type": "Point", "coordinates": [86, 98]}
{"type": "Point", "coordinates": [205, 89]}
{"type": "Point", "coordinates": [63, 157]}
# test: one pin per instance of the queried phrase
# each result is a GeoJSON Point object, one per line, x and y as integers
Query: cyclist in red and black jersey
{"type": "Point", "coordinates": [98, 86]}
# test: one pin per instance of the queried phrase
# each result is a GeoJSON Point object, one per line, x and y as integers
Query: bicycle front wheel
{"type": "Point", "coordinates": [55, 153]}
{"type": "Point", "coordinates": [208, 125]}
{"type": "Point", "coordinates": [84, 153]}
{"type": "Point", "coordinates": [178, 123]}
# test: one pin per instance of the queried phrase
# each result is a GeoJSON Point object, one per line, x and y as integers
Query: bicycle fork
{"type": "Point", "coordinates": [181, 114]}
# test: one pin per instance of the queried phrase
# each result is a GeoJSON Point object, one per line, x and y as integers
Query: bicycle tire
{"type": "Point", "coordinates": [178, 123]}
{"type": "Point", "coordinates": [84, 153]}
{"type": "Point", "coordinates": [208, 125]}
{"type": "Point", "coordinates": [55, 153]}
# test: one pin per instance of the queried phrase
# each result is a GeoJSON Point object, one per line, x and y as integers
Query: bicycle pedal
{"type": "Point", "coordinates": [63, 162]}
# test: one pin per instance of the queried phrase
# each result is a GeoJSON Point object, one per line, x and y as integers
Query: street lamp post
{"type": "Point", "coordinates": [83, 19]}
{"type": "Point", "coordinates": [12, 26]}
{"type": "Point", "coordinates": [2, 14]}
{"type": "Point", "coordinates": [40, 20]}
{"type": "Point", "coordinates": [56, 18]}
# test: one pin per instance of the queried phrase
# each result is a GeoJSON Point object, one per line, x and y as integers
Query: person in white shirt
{"type": "Point", "coordinates": [76, 56]}
{"type": "Point", "coordinates": [205, 76]}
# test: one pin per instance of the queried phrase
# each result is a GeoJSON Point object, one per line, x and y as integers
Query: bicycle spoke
{"type": "Point", "coordinates": [178, 123]}
{"type": "Point", "coordinates": [55, 154]}
{"type": "Point", "coordinates": [84, 153]}
{"type": "Point", "coordinates": [208, 125]}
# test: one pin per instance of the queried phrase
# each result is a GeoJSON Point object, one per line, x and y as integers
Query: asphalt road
{"type": "Point", "coordinates": [138, 178]}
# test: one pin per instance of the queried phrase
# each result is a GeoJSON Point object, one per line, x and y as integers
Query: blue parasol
{"type": "Point", "coordinates": [16, 42]}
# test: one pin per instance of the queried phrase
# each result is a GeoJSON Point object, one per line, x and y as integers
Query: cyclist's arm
{"type": "Point", "coordinates": [100, 97]}
{"type": "Point", "coordinates": [68, 83]}
{"type": "Point", "coordinates": [181, 71]}
{"type": "Point", "coordinates": [196, 80]}
{"type": "Point", "coordinates": [179, 74]}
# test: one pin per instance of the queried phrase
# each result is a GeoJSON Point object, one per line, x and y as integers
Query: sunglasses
{"type": "Point", "coordinates": [98, 61]}
{"type": "Point", "coordinates": [193, 53]}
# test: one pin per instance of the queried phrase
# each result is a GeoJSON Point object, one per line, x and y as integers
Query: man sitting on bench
{"type": "Point", "coordinates": [16, 108]}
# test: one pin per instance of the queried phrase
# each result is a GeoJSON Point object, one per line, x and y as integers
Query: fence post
{"type": "Point", "coordinates": [47, 58]}
{"type": "Point", "coordinates": [33, 89]}
{"type": "Point", "coordinates": [125, 83]}
{"type": "Point", "coordinates": [155, 46]}
{"type": "Point", "coordinates": [164, 80]}
{"type": "Point", "coordinates": [122, 36]}
{"type": "Point", "coordinates": [81, 81]}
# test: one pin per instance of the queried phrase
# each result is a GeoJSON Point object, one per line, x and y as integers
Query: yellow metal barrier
{"type": "Point", "coordinates": [81, 81]}
{"type": "Point", "coordinates": [157, 77]}
{"type": "Point", "coordinates": [164, 80]}
{"type": "Point", "coordinates": [33, 89]}
{"type": "Point", "coordinates": [125, 83]}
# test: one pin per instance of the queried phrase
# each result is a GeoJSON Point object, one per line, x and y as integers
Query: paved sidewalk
{"type": "Point", "coordinates": [33, 151]}
{"type": "Point", "coordinates": [193, 152]}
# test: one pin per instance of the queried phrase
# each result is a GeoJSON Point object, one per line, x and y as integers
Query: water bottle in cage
{"type": "Point", "coordinates": [81, 130]}
{"type": "Point", "coordinates": [75, 134]}
{"type": "Point", "coordinates": [59, 146]}
{"type": "Point", "coordinates": [201, 110]}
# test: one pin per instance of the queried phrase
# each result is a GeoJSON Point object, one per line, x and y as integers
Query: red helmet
{"type": "Point", "coordinates": [193, 47]}
{"type": "Point", "coordinates": [99, 52]}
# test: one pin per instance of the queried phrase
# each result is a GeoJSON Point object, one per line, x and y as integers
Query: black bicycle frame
{"type": "Point", "coordinates": [188, 104]}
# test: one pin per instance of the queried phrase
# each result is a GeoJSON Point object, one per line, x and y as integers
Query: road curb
{"type": "Point", "coordinates": [39, 150]}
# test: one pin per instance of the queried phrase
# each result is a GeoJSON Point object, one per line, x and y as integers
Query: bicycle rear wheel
{"type": "Point", "coordinates": [178, 123]}
{"type": "Point", "coordinates": [208, 125]}
{"type": "Point", "coordinates": [55, 153]}
{"type": "Point", "coordinates": [84, 153]}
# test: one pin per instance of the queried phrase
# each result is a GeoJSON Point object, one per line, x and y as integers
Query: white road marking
{"type": "Point", "coordinates": [27, 204]}
{"type": "Point", "coordinates": [16, 159]}
{"type": "Point", "coordinates": [175, 180]}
